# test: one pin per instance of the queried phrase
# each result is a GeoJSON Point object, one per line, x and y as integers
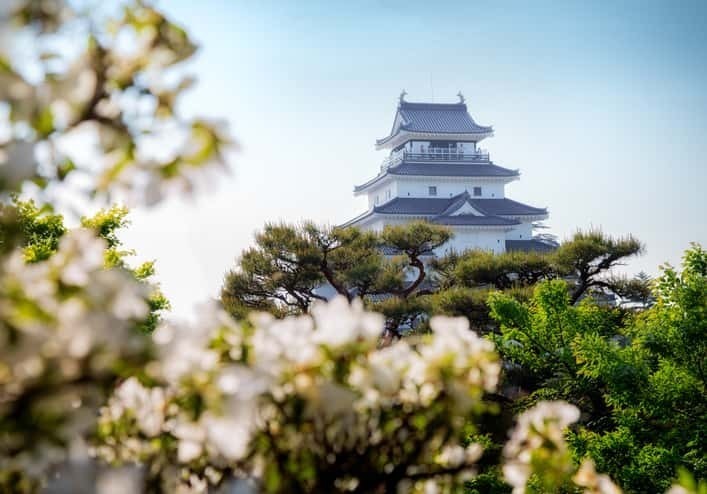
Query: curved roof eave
{"type": "Point", "coordinates": [426, 170]}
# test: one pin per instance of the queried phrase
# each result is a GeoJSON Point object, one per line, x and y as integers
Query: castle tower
{"type": "Point", "coordinates": [436, 171]}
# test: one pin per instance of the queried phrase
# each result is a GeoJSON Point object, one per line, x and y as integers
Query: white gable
{"type": "Point", "coordinates": [466, 208]}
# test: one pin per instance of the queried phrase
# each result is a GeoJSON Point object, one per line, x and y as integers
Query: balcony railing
{"type": "Point", "coordinates": [435, 154]}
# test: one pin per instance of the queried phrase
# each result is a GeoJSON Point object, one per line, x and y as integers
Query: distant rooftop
{"type": "Point", "coordinates": [434, 118]}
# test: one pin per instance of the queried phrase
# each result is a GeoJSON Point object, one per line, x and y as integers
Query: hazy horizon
{"type": "Point", "coordinates": [601, 106]}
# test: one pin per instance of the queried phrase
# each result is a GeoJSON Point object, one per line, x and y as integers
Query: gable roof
{"type": "Point", "coordinates": [435, 118]}
{"type": "Point", "coordinates": [438, 206]}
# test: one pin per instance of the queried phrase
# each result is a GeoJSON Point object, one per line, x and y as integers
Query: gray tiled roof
{"type": "Point", "coordinates": [445, 207]}
{"type": "Point", "coordinates": [436, 206]}
{"type": "Point", "coordinates": [452, 170]}
{"type": "Point", "coordinates": [438, 118]}
{"type": "Point", "coordinates": [473, 220]}
{"type": "Point", "coordinates": [414, 205]}
{"type": "Point", "coordinates": [531, 245]}
{"type": "Point", "coordinates": [443, 170]}
{"type": "Point", "coordinates": [505, 207]}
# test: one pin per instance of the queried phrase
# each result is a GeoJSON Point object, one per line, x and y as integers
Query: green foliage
{"type": "Point", "coordinates": [688, 482]}
{"type": "Point", "coordinates": [279, 275]}
{"type": "Point", "coordinates": [158, 304]}
{"type": "Point", "coordinates": [638, 379]}
{"type": "Point", "coordinates": [490, 482]}
{"type": "Point", "coordinates": [584, 261]}
{"type": "Point", "coordinates": [287, 268]}
{"type": "Point", "coordinates": [463, 302]}
{"type": "Point", "coordinates": [107, 222]}
{"type": "Point", "coordinates": [402, 314]}
{"type": "Point", "coordinates": [590, 254]}
{"type": "Point", "coordinates": [15, 481]}
{"type": "Point", "coordinates": [636, 290]}
{"type": "Point", "coordinates": [36, 229]}
{"type": "Point", "coordinates": [283, 272]}
{"type": "Point", "coordinates": [415, 238]}
{"type": "Point", "coordinates": [502, 271]}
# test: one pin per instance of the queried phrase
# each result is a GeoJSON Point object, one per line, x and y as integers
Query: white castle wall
{"type": "Point", "coordinates": [378, 224]}
{"type": "Point", "coordinates": [464, 239]}
{"type": "Point", "coordinates": [524, 231]}
{"type": "Point", "coordinates": [449, 188]}
{"type": "Point", "coordinates": [383, 194]}
{"type": "Point", "coordinates": [445, 189]}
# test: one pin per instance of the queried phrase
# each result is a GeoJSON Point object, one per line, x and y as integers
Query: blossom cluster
{"type": "Point", "coordinates": [303, 401]}
{"type": "Point", "coordinates": [537, 452]}
{"type": "Point", "coordinates": [101, 117]}
{"type": "Point", "coordinates": [537, 444]}
{"type": "Point", "coordinates": [66, 325]}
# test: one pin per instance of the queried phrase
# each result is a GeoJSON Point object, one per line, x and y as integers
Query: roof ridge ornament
{"type": "Point", "coordinates": [462, 99]}
{"type": "Point", "coordinates": [403, 93]}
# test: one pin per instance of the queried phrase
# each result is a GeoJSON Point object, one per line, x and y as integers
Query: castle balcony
{"type": "Point", "coordinates": [435, 154]}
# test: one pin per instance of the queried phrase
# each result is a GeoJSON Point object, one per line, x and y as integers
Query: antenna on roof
{"type": "Point", "coordinates": [461, 97]}
{"type": "Point", "coordinates": [403, 93]}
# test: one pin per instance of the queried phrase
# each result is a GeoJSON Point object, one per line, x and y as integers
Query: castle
{"type": "Point", "coordinates": [436, 171]}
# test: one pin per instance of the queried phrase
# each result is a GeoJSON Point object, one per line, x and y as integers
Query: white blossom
{"type": "Point", "coordinates": [17, 163]}
{"type": "Point", "coordinates": [229, 436]}
{"type": "Point", "coordinates": [191, 440]}
{"type": "Point", "coordinates": [593, 482]}
{"type": "Point", "coordinates": [280, 343]}
{"type": "Point", "coordinates": [327, 366]}
{"type": "Point", "coordinates": [148, 405]}
{"type": "Point", "coordinates": [339, 323]}
{"type": "Point", "coordinates": [539, 428]}
{"type": "Point", "coordinates": [184, 350]}
{"type": "Point", "coordinates": [678, 489]}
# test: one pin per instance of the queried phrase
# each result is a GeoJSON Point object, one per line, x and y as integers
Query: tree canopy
{"type": "Point", "coordinates": [638, 378]}
{"type": "Point", "coordinates": [396, 273]}
{"type": "Point", "coordinates": [290, 264]}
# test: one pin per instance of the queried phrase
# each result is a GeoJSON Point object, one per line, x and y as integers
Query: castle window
{"type": "Point", "coordinates": [387, 194]}
{"type": "Point", "coordinates": [432, 190]}
{"type": "Point", "coordinates": [477, 191]}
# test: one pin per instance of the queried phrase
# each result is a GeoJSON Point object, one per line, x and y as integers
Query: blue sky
{"type": "Point", "coordinates": [601, 105]}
